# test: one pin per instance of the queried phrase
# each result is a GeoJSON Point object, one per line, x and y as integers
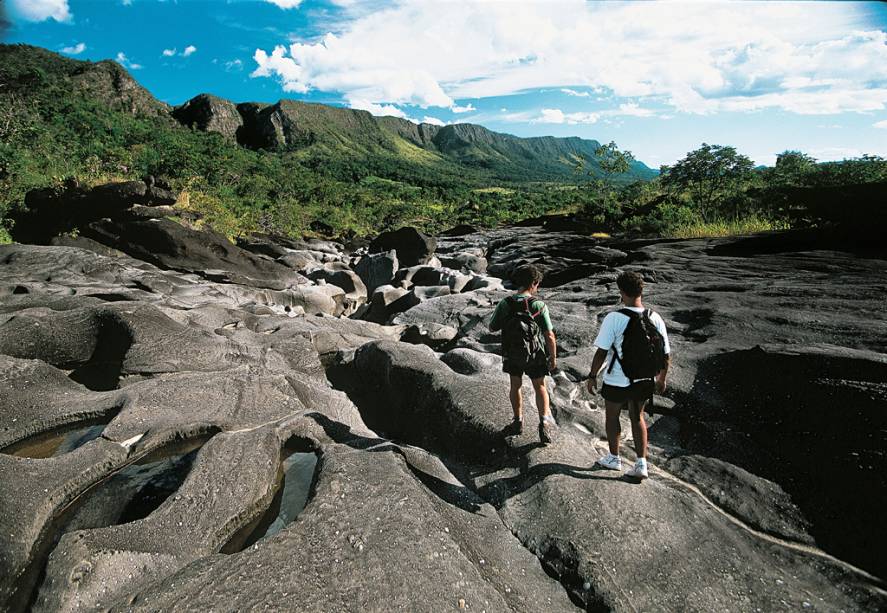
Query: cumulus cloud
{"type": "Point", "coordinates": [880, 124]}
{"type": "Point", "coordinates": [41, 10]}
{"type": "Point", "coordinates": [187, 52]}
{"type": "Point", "coordinates": [433, 121]}
{"type": "Point", "coordinates": [75, 49]}
{"type": "Point", "coordinates": [234, 65]}
{"type": "Point", "coordinates": [462, 109]}
{"type": "Point", "coordinates": [573, 92]}
{"type": "Point", "coordinates": [558, 116]}
{"type": "Point", "coordinates": [378, 109]}
{"type": "Point", "coordinates": [695, 57]}
{"type": "Point", "coordinates": [285, 4]}
{"type": "Point", "coordinates": [125, 62]}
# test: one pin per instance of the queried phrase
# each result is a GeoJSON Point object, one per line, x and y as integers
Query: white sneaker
{"type": "Point", "coordinates": [613, 462]}
{"type": "Point", "coordinates": [639, 471]}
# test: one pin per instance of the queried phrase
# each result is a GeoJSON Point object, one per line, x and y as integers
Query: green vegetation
{"type": "Point", "coordinates": [716, 191]}
{"type": "Point", "coordinates": [351, 174]}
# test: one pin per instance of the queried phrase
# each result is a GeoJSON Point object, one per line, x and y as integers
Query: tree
{"type": "Point", "coordinates": [612, 161]}
{"type": "Point", "coordinates": [792, 168]}
{"type": "Point", "coordinates": [712, 175]}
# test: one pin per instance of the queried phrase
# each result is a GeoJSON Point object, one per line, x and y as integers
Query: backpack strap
{"type": "Point", "coordinates": [525, 301]}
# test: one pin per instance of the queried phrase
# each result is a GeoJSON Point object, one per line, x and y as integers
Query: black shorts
{"type": "Point", "coordinates": [535, 368]}
{"type": "Point", "coordinates": [639, 391]}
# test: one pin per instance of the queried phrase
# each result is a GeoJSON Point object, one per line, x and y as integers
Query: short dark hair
{"type": "Point", "coordinates": [526, 275]}
{"type": "Point", "coordinates": [632, 283]}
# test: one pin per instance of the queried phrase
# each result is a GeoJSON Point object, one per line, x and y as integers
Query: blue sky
{"type": "Point", "coordinates": [657, 78]}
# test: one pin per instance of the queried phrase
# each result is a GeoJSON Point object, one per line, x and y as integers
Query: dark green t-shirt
{"type": "Point", "coordinates": [536, 306]}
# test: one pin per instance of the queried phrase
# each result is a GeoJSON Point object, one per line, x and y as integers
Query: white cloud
{"type": "Point", "coordinates": [462, 109]}
{"type": "Point", "coordinates": [558, 116]}
{"type": "Point", "coordinates": [234, 65]}
{"type": "Point", "coordinates": [189, 50]}
{"type": "Point", "coordinates": [433, 121]}
{"type": "Point", "coordinates": [75, 49]}
{"type": "Point", "coordinates": [169, 52]}
{"type": "Point", "coordinates": [832, 154]}
{"type": "Point", "coordinates": [41, 10]}
{"type": "Point", "coordinates": [880, 124]}
{"type": "Point", "coordinates": [573, 92]}
{"type": "Point", "coordinates": [697, 57]}
{"type": "Point", "coordinates": [378, 109]}
{"type": "Point", "coordinates": [125, 62]}
{"type": "Point", "coordinates": [285, 4]}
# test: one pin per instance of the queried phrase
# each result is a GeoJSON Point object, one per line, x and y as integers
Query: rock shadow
{"type": "Point", "coordinates": [103, 369]}
{"type": "Point", "coordinates": [813, 423]}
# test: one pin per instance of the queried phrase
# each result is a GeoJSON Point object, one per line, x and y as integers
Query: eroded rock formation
{"type": "Point", "coordinates": [195, 437]}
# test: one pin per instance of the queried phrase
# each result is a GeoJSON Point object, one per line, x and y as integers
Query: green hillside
{"type": "Point", "coordinates": [289, 167]}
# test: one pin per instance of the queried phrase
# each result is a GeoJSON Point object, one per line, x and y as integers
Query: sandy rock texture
{"type": "Point", "coordinates": [290, 425]}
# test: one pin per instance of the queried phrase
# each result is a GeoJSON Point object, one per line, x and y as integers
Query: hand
{"type": "Point", "coordinates": [552, 363]}
{"type": "Point", "coordinates": [591, 385]}
{"type": "Point", "coordinates": [660, 386]}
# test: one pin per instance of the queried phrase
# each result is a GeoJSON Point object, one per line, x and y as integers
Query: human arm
{"type": "Point", "coordinates": [597, 363]}
{"type": "Point", "coordinates": [662, 375]}
{"type": "Point", "coordinates": [551, 346]}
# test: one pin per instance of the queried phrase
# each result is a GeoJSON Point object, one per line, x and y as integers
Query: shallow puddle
{"type": "Point", "coordinates": [297, 476]}
{"type": "Point", "coordinates": [56, 443]}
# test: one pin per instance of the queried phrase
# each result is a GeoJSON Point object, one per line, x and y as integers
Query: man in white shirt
{"type": "Point", "coordinates": [619, 391]}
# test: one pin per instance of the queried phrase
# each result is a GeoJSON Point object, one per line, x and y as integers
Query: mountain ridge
{"type": "Point", "coordinates": [296, 124]}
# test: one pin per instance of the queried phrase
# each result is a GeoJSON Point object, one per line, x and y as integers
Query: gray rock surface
{"type": "Point", "coordinates": [146, 415]}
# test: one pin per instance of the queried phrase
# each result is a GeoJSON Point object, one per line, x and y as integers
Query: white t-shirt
{"type": "Point", "coordinates": [611, 333]}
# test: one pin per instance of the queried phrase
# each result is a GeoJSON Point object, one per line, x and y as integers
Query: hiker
{"type": "Point", "coordinates": [528, 347]}
{"type": "Point", "coordinates": [634, 342]}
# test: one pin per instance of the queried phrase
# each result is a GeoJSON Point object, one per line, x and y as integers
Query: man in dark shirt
{"type": "Point", "coordinates": [535, 366]}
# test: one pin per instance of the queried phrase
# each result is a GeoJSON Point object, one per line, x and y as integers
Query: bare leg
{"type": "Point", "coordinates": [614, 429]}
{"type": "Point", "coordinates": [516, 398]}
{"type": "Point", "coordinates": [541, 397]}
{"type": "Point", "coordinates": [638, 427]}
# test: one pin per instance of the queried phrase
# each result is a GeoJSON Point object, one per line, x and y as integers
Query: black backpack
{"type": "Point", "coordinates": [643, 347]}
{"type": "Point", "coordinates": [521, 334]}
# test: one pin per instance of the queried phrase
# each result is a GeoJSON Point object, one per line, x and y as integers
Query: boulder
{"type": "Point", "coordinates": [412, 247]}
{"type": "Point", "coordinates": [466, 262]}
{"type": "Point", "coordinates": [380, 303]}
{"type": "Point", "coordinates": [415, 296]}
{"type": "Point", "coordinates": [170, 245]}
{"type": "Point", "coordinates": [340, 275]}
{"type": "Point", "coordinates": [49, 212]}
{"type": "Point", "coordinates": [378, 269]}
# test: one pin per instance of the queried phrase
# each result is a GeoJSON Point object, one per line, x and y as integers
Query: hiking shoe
{"type": "Point", "coordinates": [610, 461]}
{"type": "Point", "coordinates": [546, 430]}
{"type": "Point", "coordinates": [639, 471]}
{"type": "Point", "coordinates": [515, 428]}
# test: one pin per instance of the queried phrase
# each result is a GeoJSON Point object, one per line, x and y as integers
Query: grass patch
{"type": "Point", "coordinates": [749, 225]}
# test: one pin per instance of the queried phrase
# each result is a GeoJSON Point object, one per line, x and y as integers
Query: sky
{"type": "Point", "coordinates": [658, 78]}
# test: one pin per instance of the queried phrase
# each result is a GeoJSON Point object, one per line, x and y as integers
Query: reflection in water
{"type": "Point", "coordinates": [55, 443]}
{"type": "Point", "coordinates": [298, 473]}
{"type": "Point", "coordinates": [294, 486]}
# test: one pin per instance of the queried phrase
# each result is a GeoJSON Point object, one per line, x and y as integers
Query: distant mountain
{"type": "Point", "coordinates": [294, 125]}
{"type": "Point", "coordinates": [289, 167]}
